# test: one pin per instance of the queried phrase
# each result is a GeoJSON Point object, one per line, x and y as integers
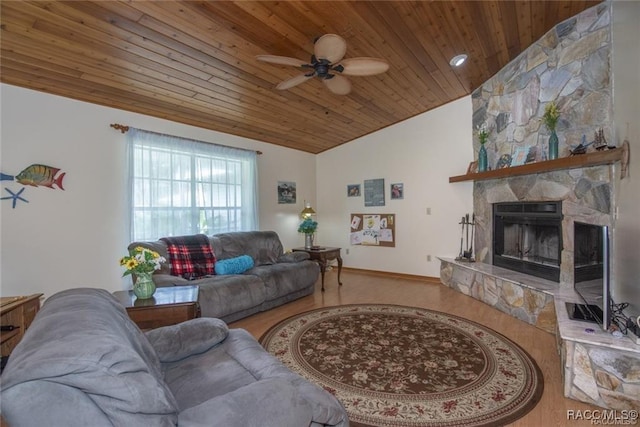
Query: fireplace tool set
{"type": "Point", "coordinates": [467, 255]}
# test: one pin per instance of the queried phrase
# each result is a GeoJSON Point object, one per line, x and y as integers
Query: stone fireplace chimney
{"type": "Point", "coordinates": [570, 66]}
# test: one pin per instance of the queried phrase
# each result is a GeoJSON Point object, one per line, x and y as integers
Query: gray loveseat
{"type": "Point", "coordinates": [275, 279]}
{"type": "Point", "coordinates": [83, 362]}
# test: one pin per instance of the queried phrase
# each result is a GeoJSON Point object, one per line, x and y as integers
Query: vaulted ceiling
{"type": "Point", "coordinates": [194, 61]}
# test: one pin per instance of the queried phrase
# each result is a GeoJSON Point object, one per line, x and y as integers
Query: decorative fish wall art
{"type": "Point", "coordinates": [36, 175]}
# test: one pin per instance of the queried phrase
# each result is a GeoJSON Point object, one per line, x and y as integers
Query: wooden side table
{"type": "Point", "coordinates": [16, 315]}
{"type": "Point", "coordinates": [322, 255]}
{"type": "Point", "coordinates": [168, 306]}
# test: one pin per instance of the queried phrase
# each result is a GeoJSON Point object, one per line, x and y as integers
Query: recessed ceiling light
{"type": "Point", "coordinates": [458, 60]}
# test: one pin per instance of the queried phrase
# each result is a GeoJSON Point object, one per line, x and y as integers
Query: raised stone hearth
{"type": "Point", "coordinates": [505, 290]}
{"type": "Point", "coordinates": [597, 367]}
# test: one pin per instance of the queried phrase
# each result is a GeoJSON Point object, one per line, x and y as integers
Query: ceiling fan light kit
{"type": "Point", "coordinates": [327, 64]}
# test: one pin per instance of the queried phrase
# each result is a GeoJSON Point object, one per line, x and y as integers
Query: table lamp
{"type": "Point", "coordinates": [308, 211]}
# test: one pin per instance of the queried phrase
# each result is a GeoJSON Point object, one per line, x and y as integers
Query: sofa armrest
{"type": "Point", "coordinates": [295, 256]}
{"type": "Point", "coordinates": [176, 342]}
{"type": "Point", "coordinates": [283, 401]}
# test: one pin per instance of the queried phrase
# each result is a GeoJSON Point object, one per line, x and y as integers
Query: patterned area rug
{"type": "Point", "coordinates": [397, 366]}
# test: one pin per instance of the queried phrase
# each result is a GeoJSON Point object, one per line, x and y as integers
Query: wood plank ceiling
{"type": "Point", "coordinates": [194, 62]}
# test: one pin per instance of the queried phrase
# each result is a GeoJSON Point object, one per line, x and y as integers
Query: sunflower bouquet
{"type": "Point", "coordinates": [141, 260]}
{"type": "Point", "coordinates": [551, 116]}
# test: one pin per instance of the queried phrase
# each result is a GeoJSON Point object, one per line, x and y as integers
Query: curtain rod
{"type": "Point", "coordinates": [124, 129]}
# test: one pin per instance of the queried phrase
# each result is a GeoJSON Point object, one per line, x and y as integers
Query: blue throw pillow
{"type": "Point", "coordinates": [237, 265]}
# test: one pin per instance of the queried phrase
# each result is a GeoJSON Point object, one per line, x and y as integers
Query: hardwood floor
{"type": "Point", "coordinates": [364, 287]}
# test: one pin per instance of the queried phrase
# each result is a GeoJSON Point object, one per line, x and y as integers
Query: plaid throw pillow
{"type": "Point", "coordinates": [190, 256]}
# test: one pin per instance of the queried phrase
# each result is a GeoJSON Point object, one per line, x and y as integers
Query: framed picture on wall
{"type": "Point", "coordinates": [397, 191]}
{"type": "Point", "coordinates": [374, 192]}
{"type": "Point", "coordinates": [353, 190]}
{"type": "Point", "coordinates": [286, 192]}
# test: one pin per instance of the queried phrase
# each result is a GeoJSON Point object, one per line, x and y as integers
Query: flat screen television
{"type": "Point", "coordinates": [592, 274]}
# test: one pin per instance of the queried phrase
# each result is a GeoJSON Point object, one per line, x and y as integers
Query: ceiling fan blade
{"type": "Point", "coordinates": [330, 47]}
{"type": "Point", "coordinates": [294, 81]}
{"type": "Point", "coordinates": [282, 60]}
{"type": "Point", "coordinates": [338, 84]}
{"type": "Point", "coordinates": [364, 66]}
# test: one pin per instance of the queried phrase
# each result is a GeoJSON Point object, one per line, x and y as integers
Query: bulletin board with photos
{"type": "Point", "coordinates": [373, 229]}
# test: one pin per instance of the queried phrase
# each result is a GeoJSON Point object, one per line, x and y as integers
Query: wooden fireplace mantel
{"type": "Point", "coordinates": [578, 161]}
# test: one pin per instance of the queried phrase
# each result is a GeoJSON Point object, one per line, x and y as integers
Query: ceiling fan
{"type": "Point", "coordinates": [328, 65]}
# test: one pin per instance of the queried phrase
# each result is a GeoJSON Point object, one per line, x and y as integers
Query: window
{"type": "Point", "coordinates": [180, 186]}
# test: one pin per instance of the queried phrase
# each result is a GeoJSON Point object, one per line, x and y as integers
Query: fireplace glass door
{"type": "Point", "coordinates": [528, 238]}
{"type": "Point", "coordinates": [536, 243]}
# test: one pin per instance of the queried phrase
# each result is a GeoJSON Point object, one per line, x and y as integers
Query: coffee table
{"type": "Point", "coordinates": [322, 255]}
{"type": "Point", "coordinates": [168, 306]}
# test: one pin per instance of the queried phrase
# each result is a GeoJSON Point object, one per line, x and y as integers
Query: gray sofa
{"type": "Point", "coordinates": [275, 279]}
{"type": "Point", "coordinates": [83, 362]}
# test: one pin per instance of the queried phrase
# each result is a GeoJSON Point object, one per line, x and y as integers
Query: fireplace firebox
{"type": "Point", "coordinates": [527, 237]}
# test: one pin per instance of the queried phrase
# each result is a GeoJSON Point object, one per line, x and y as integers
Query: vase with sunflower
{"type": "Point", "coordinates": [550, 118]}
{"type": "Point", "coordinates": [142, 262]}
{"type": "Point", "coordinates": [483, 135]}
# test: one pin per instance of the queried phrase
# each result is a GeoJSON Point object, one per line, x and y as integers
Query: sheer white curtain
{"type": "Point", "coordinates": [180, 186]}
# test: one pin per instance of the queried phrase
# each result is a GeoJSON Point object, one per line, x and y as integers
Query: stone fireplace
{"type": "Point", "coordinates": [584, 195]}
{"type": "Point", "coordinates": [598, 368]}
{"type": "Point", "coordinates": [569, 66]}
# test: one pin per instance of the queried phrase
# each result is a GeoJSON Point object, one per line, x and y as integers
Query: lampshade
{"type": "Point", "coordinates": [307, 211]}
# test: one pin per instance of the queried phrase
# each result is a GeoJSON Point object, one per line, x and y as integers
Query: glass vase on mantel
{"type": "Point", "coordinates": [308, 240]}
{"type": "Point", "coordinates": [553, 145]}
{"type": "Point", "coordinates": [144, 288]}
{"type": "Point", "coordinates": [482, 159]}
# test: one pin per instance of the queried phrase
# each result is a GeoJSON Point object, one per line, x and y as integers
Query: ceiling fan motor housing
{"type": "Point", "coordinates": [329, 50]}
{"type": "Point", "coordinates": [321, 66]}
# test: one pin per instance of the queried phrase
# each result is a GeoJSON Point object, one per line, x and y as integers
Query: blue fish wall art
{"type": "Point", "coordinates": [35, 175]}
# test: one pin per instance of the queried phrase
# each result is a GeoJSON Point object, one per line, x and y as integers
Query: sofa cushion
{"type": "Point", "coordinates": [175, 342]}
{"type": "Point", "coordinates": [220, 296]}
{"type": "Point", "coordinates": [263, 246]}
{"type": "Point", "coordinates": [283, 401]}
{"type": "Point", "coordinates": [239, 360]}
{"type": "Point", "coordinates": [190, 256]}
{"type": "Point", "coordinates": [89, 354]}
{"type": "Point", "coordinates": [286, 278]}
{"type": "Point", "coordinates": [236, 265]}
{"type": "Point", "coordinates": [296, 256]}
{"type": "Point", "coordinates": [215, 372]}
{"type": "Point", "coordinates": [248, 387]}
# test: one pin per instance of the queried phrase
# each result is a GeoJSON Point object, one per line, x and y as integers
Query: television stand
{"type": "Point", "coordinates": [584, 312]}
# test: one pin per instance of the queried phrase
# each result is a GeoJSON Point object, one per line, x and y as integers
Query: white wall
{"type": "Point", "coordinates": [422, 153]}
{"type": "Point", "coordinates": [63, 239]}
{"type": "Point", "coordinates": [626, 111]}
